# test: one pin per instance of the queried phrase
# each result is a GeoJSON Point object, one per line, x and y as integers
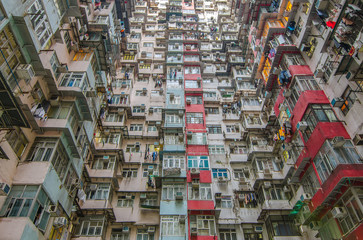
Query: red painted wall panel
{"type": "Point", "coordinates": [323, 131]}
{"type": "Point", "coordinates": [279, 100]}
{"type": "Point", "coordinates": [356, 234]}
{"type": "Point", "coordinates": [192, 126]}
{"type": "Point", "coordinates": [197, 150]}
{"type": "Point", "coordinates": [200, 205]}
{"type": "Point", "coordinates": [194, 108]}
{"type": "Point", "coordinates": [306, 98]}
{"type": "Point", "coordinates": [300, 70]}
{"type": "Point", "coordinates": [340, 172]}
{"type": "Point", "coordinates": [205, 176]}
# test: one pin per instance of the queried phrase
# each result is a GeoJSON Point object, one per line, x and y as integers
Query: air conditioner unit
{"type": "Point", "coordinates": [305, 197]}
{"type": "Point", "coordinates": [338, 142]}
{"type": "Point", "coordinates": [25, 71]}
{"type": "Point", "coordinates": [142, 195]}
{"type": "Point", "coordinates": [232, 145]}
{"type": "Point", "coordinates": [194, 171]}
{"type": "Point", "coordinates": [4, 189]}
{"type": "Point", "coordinates": [194, 231]}
{"type": "Point", "coordinates": [287, 189]}
{"type": "Point", "coordinates": [52, 210]}
{"type": "Point", "coordinates": [137, 144]}
{"type": "Point", "coordinates": [151, 229]}
{"type": "Point", "coordinates": [221, 179]}
{"type": "Point", "coordinates": [179, 196]}
{"type": "Point", "coordinates": [60, 221]}
{"type": "Point", "coordinates": [314, 225]}
{"type": "Point", "coordinates": [189, 101]}
{"type": "Point", "coordinates": [125, 229]}
{"type": "Point", "coordinates": [258, 229]}
{"type": "Point", "coordinates": [158, 123]}
{"type": "Point", "coordinates": [267, 184]}
{"type": "Point", "coordinates": [302, 126]}
{"type": "Point", "coordinates": [338, 102]}
{"type": "Point", "coordinates": [123, 84]}
{"type": "Point", "coordinates": [93, 187]}
{"type": "Point", "coordinates": [287, 93]}
{"type": "Point", "coordinates": [76, 181]}
{"type": "Point", "coordinates": [142, 106]}
{"type": "Point", "coordinates": [338, 212]}
{"type": "Point", "coordinates": [358, 139]}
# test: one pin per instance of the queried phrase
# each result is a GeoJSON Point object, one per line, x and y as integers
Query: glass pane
{"type": "Point", "coordinates": [26, 207]}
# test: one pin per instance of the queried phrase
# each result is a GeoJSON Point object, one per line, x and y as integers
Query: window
{"type": "Point", "coordinates": [173, 118]}
{"type": "Point", "coordinates": [98, 191]}
{"type": "Point", "coordinates": [118, 234]}
{"type": "Point", "coordinates": [310, 181]}
{"type": "Point", "coordinates": [227, 234]}
{"type": "Point", "coordinates": [239, 150]}
{"type": "Point", "coordinates": [60, 112]}
{"type": "Point", "coordinates": [232, 128]}
{"type": "Point", "coordinates": [133, 148]}
{"type": "Point", "coordinates": [150, 200]}
{"type": "Point", "coordinates": [191, 84]}
{"type": "Point", "coordinates": [205, 224]}
{"type": "Point", "coordinates": [216, 149]}
{"type": "Point", "coordinates": [195, 118]}
{"type": "Point", "coordinates": [349, 96]}
{"type": "Point", "coordinates": [152, 128]}
{"type": "Point", "coordinates": [170, 226]}
{"type": "Point", "coordinates": [328, 158]}
{"type": "Point", "coordinates": [42, 149]}
{"type": "Point", "coordinates": [169, 191]}
{"type": "Point", "coordinates": [75, 79]}
{"type": "Point", "coordinates": [197, 139]}
{"type": "Point", "coordinates": [239, 173]}
{"type": "Point", "coordinates": [352, 203]}
{"type": "Point", "coordinates": [250, 102]}
{"type": "Point", "coordinates": [112, 138]}
{"type": "Point", "coordinates": [143, 234]}
{"type": "Point", "coordinates": [17, 141]}
{"type": "Point", "coordinates": [225, 202]}
{"type": "Point", "coordinates": [176, 100]}
{"type": "Point", "coordinates": [40, 22]}
{"type": "Point", "coordinates": [135, 127]}
{"type": "Point", "coordinates": [126, 200]}
{"type": "Point", "coordinates": [317, 113]}
{"type": "Point", "coordinates": [114, 117]}
{"type": "Point", "coordinates": [104, 163]}
{"type": "Point", "coordinates": [138, 109]}
{"type": "Point", "coordinates": [28, 201]}
{"type": "Point", "coordinates": [219, 172]}
{"type": "Point", "coordinates": [129, 172]}
{"type": "Point", "coordinates": [214, 129]}
{"type": "Point", "coordinates": [280, 225]}
{"type": "Point", "coordinates": [210, 95]}
{"type": "Point", "coordinates": [250, 234]}
{"type": "Point", "coordinates": [201, 162]}
{"type": "Point", "coordinates": [92, 226]}
{"type": "Point", "coordinates": [204, 192]}
{"type": "Point", "coordinates": [195, 99]}
{"type": "Point", "coordinates": [173, 162]}
{"type": "Point", "coordinates": [301, 84]}
{"type": "Point", "coordinates": [148, 44]}
{"type": "Point", "coordinates": [119, 99]}
{"type": "Point", "coordinates": [212, 110]}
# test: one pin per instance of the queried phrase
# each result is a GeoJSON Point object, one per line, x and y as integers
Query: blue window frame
{"type": "Point", "coordinates": [201, 162]}
{"type": "Point", "coordinates": [219, 172]}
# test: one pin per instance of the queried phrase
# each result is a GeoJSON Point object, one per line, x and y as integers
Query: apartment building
{"type": "Point", "coordinates": [181, 119]}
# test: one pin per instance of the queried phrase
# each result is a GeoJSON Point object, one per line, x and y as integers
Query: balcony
{"type": "Point", "coordinates": [174, 59]}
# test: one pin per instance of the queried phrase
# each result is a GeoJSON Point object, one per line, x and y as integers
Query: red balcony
{"type": "Point", "coordinates": [204, 176]}
{"type": "Point", "coordinates": [300, 70]}
{"type": "Point", "coordinates": [356, 234]}
{"type": "Point", "coordinates": [322, 132]}
{"type": "Point", "coordinates": [337, 183]}
{"type": "Point", "coordinates": [200, 205]}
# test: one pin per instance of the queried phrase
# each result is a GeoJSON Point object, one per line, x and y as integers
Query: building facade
{"type": "Point", "coordinates": [181, 119]}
